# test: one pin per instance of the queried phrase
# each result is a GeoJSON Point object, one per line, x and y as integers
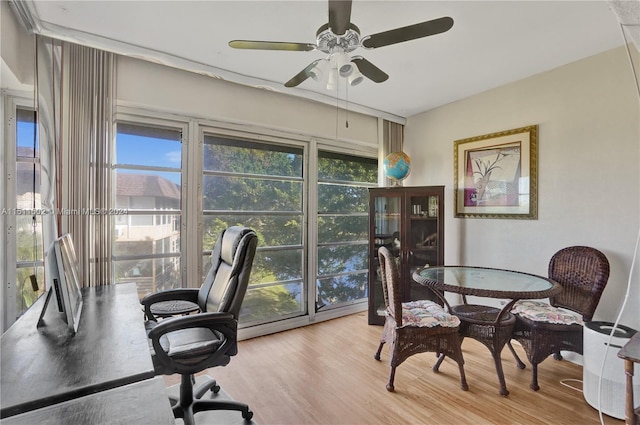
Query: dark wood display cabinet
{"type": "Point", "coordinates": [409, 222]}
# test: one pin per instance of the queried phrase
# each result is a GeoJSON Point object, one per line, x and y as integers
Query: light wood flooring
{"type": "Point", "coordinates": [326, 374]}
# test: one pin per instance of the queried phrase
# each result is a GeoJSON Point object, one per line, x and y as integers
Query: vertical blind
{"type": "Point", "coordinates": [76, 97]}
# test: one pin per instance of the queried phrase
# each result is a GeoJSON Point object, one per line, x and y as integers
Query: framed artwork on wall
{"type": "Point", "coordinates": [496, 175]}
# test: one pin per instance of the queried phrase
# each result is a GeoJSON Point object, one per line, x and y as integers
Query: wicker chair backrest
{"type": "Point", "coordinates": [390, 284]}
{"type": "Point", "coordinates": [583, 273]}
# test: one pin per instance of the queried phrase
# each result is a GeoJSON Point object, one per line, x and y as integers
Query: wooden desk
{"type": "Point", "coordinates": [47, 365]}
{"type": "Point", "coordinates": [631, 355]}
{"type": "Point", "coordinates": [140, 403]}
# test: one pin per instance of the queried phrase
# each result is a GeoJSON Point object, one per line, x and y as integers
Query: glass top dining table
{"type": "Point", "coordinates": [487, 282]}
{"type": "Point", "coordinates": [489, 325]}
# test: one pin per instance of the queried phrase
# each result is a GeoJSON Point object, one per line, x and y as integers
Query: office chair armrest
{"type": "Point", "coordinates": [177, 294]}
{"type": "Point", "coordinates": [222, 322]}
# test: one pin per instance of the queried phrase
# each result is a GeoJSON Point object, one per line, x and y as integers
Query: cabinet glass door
{"type": "Point", "coordinates": [422, 239]}
{"type": "Point", "coordinates": [386, 232]}
{"type": "Point", "coordinates": [409, 222]}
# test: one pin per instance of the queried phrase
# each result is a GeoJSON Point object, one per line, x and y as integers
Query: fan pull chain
{"type": "Point", "coordinates": [337, 110]}
{"type": "Point", "coordinates": [346, 107]}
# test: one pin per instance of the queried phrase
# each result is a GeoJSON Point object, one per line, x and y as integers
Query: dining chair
{"type": "Point", "coordinates": [416, 326]}
{"type": "Point", "coordinates": [549, 328]}
{"type": "Point", "coordinates": [190, 344]}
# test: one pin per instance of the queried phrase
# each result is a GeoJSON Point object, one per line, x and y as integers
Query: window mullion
{"type": "Point", "coordinates": [192, 199]}
{"type": "Point", "coordinates": [312, 228]}
{"type": "Point", "coordinates": [8, 240]}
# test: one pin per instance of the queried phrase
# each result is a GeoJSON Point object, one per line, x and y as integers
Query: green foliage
{"type": "Point", "coordinates": [263, 304]}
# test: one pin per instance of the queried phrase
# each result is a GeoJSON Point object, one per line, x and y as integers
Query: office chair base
{"type": "Point", "coordinates": [189, 403]}
{"type": "Point", "coordinates": [187, 413]}
{"type": "Point", "coordinates": [211, 384]}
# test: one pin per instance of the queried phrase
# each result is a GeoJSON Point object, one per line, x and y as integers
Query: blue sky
{"type": "Point", "coordinates": [130, 150]}
{"type": "Point", "coordinates": [137, 150]}
{"type": "Point", "coordinates": [147, 151]}
{"type": "Point", "coordinates": [25, 134]}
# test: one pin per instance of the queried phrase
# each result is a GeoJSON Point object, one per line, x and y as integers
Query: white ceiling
{"type": "Point", "coordinates": [491, 43]}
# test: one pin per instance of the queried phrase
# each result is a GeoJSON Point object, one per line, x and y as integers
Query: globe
{"type": "Point", "coordinates": [397, 166]}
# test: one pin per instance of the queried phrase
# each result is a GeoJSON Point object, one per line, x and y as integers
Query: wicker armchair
{"type": "Point", "coordinates": [544, 329]}
{"type": "Point", "coordinates": [415, 327]}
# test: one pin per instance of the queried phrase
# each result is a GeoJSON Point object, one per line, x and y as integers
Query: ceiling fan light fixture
{"type": "Point", "coordinates": [332, 82]}
{"type": "Point", "coordinates": [320, 71]}
{"type": "Point", "coordinates": [355, 78]}
{"type": "Point", "coordinates": [345, 66]}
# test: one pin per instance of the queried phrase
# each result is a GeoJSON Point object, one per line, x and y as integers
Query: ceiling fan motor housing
{"type": "Point", "coordinates": [329, 42]}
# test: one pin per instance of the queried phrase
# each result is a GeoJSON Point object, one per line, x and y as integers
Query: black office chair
{"type": "Point", "coordinates": [190, 344]}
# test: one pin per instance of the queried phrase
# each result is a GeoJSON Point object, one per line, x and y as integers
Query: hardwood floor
{"type": "Point", "coordinates": [326, 374]}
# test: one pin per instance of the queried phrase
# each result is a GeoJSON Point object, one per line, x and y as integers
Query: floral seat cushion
{"type": "Point", "coordinates": [540, 311]}
{"type": "Point", "coordinates": [424, 313]}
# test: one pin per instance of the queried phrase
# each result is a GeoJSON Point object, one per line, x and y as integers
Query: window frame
{"type": "Point", "coordinates": [161, 121]}
{"type": "Point", "coordinates": [330, 147]}
{"type": "Point", "coordinates": [192, 206]}
{"type": "Point", "coordinates": [275, 139]}
{"type": "Point", "coordinates": [9, 105]}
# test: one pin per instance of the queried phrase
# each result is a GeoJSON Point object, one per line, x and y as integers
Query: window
{"type": "Point", "coordinates": [261, 186]}
{"type": "Point", "coordinates": [28, 229]}
{"type": "Point", "coordinates": [343, 228]}
{"type": "Point", "coordinates": [309, 208]}
{"type": "Point", "coordinates": [148, 203]}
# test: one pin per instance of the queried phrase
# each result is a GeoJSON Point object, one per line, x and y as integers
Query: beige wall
{"type": "Point", "coordinates": [17, 49]}
{"type": "Point", "coordinates": [148, 84]}
{"type": "Point", "coordinates": [589, 137]}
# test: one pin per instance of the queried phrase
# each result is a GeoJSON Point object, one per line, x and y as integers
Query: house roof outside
{"type": "Point", "coordinates": [127, 184]}
{"type": "Point", "coordinates": [25, 172]}
{"type": "Point", "coordinates": [146, 185]}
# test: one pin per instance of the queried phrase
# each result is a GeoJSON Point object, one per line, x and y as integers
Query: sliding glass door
{"type": "Point", "coordinates": [342, 228]}
{"type": "Point", "coordinates": [259, 185]}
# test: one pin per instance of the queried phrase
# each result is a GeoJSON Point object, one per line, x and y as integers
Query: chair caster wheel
{"type": "Point", "coordinates": [247, 415]}
{"type": "Point", "coordinates": [215, 389]}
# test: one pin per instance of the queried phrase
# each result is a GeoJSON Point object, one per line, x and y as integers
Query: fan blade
{"type": "Point", "coordinates": [369, 70]}
{"type": "Point", "coordinates": [407, 33]}
{"type": "Point", "coordinates": [339, 16]}
{"type": "Point", "coordinates": [272, 45]}
{"type": "Point", "coordinates": [302, 75]}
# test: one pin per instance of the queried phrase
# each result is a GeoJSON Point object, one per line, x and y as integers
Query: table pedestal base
{"type": "Point", "coordinates": [490, 326]}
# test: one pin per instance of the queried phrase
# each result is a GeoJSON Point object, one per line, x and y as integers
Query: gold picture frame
{"type": "Point", "coordinates": [496, 175]}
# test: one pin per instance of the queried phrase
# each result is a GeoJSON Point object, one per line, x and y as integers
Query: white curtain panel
{"type": "Point", "coordinates": [393, 141]}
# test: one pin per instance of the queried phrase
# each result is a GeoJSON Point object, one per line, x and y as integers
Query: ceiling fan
{"type": "Point", "coordinates": [338, 38]}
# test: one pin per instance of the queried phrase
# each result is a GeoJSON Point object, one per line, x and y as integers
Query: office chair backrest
{"type": "Point", "coordinates": [583, 273]}
{"type": "Point", "coordinates": [227, 280]}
